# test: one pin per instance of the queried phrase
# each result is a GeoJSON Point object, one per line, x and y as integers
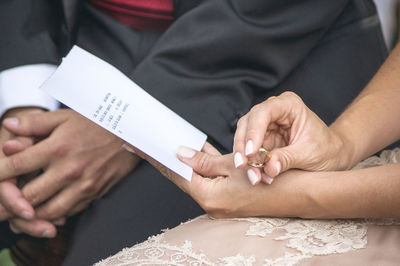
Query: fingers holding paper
{"type": "Point", "coordinates": [218, 187]}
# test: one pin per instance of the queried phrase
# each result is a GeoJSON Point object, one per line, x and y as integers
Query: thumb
{"type": "Point", "coordinates": [203, 163]}
{"type": "Point", "coordinates": [38, 124]}
{"type": "Point", "coordinates": [282, 159]}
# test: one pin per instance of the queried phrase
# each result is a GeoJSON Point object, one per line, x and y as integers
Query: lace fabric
{"type": "Point", "coordinates": [272, 241]}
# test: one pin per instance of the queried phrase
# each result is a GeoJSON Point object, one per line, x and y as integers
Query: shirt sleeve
{"type": "Point", "coordinates": [19, 86]}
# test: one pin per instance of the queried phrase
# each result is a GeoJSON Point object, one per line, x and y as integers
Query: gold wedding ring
{"type": "Point", "coordinates": [260, 165]}
{"type": "Point", "coordinates": [266, 152]}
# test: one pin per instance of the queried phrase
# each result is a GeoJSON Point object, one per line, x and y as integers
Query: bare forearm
{"type": "Point", "coordinates": [365, 193]}
{"type": "Point", "coordinates": [371, 121]}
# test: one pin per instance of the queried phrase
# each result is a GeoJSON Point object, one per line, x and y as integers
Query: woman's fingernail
{"type": "Point", "coordinates": [11, 121]}
{"type": "Point", "coordinates": [278, 167]}
{"type": "Point", "coordinates": [186, 152]}
{"type": "Point", "coordinates": [47, 234]}
{"type": "Point", "coordinates": [238, 159]}
{"type": "Point", "coordinates": [267, 179]}
{"type": "Point", "coordinates": [252, 176]}
{"type": "Point", "coordinates": [27, 215]}
{"type": "Point", "coordinates": [249, 147]}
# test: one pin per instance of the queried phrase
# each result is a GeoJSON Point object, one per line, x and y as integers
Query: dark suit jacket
{"type": "Point", "coordinates": [219, 57]}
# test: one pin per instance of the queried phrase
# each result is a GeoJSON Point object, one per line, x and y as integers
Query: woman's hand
{"type": "Point", "coordinates": [296, 137]}
{"type": "Point", "coordinates": [224, 191]}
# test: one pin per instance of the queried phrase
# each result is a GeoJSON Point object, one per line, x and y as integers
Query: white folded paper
{"type": "Point", "coordinates": [104, 95]}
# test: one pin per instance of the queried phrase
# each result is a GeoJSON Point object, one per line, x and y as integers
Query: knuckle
{"type": "Point", "coordinates": [285, 160]}
{"type": "Point", "coordinates": [31, 196]}
{"type": "Point", "coordinates": [61, 149]}
{"type": "Point", "coordinates": [256, 108]}
{"type": "Point", "coordinates": [241, 121]}
{"type": "Point", "coordinates": [54, 210]}
{"type": "Point", "coordinates": [269, 100]}
{"type": "Point", "coordinates": [252, 132]}
{"type": "Point", "coordinates": [73, 171]}
{"type": "Point", "coordinates": [47, 213]}
{"type": "Point", "coordinates": [15, 163]}
{"type": "Point", "coordinates": [204, 162]}
{"type": "Point", "coordinates": [258, 111]}
{"type": "Point", "coordinates": [292, 97]}
{"type": "Point", "coordinates": [289, 94]}
{"type": "Point", "coordinates": [88, 187]}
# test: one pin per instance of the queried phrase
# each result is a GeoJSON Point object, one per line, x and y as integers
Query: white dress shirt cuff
{"type": "Point", "coordinates": [19, 87]}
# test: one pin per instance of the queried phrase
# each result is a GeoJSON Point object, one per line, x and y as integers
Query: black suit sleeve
{"type": "Point", "coordinates": [213, 60]}
{"type": "Point", "coordinates": [29, 30]}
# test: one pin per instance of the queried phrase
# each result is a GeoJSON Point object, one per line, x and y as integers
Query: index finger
{"type": "Point", "coordinates": [259, 119]}
{"type": "Point", "coordinates": [239, 142]}
{"type": "Point", "coordinates": [26, 161]}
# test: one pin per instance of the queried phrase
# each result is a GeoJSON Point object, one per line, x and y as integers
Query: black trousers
{"type": "Point", "coordinates": [145, 202]}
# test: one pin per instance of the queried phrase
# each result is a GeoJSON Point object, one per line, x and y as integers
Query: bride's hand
{"type": "Point", "coordinates": [224, 191]}
{"type": "Point", "coordinates": [295, 135]}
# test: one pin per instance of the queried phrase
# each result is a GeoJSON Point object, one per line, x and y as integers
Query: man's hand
{"type": "Point", "coordinates": [12, 202]}
{"type": "Point", "coordinates": [296, 137]}
{"type": "Point", "coordinates": [80, 162]}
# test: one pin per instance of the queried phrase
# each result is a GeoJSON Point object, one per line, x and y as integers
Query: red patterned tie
{"type": "Point", "coordinates": [154, 15]}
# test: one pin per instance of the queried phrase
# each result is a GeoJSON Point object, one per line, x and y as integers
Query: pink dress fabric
{"type": "Point", "coordinates": [272, 241]}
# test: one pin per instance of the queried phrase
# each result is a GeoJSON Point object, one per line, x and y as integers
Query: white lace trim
{"type": "Point", "coordinates": [155, 251]}
{"type": "Point", "coordinates": [305, 238]}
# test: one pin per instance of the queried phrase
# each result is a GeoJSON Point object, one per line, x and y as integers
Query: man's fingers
{"type": "Point", "coordinates": [17, 144]}
{"type": "Point", "coordinates": [60, 221]}
{"type": "Point", "coordinates": [62, 203]}
{"type": "Point", "coordinates": [37, 124]}
{"type": "Point", "coordinates": [79, 207]}
{"type": "Point", "coordinates": [36, 227]}
{"type": "Point", "coordinates": [205, 164]}
{"type": "Point", "coordinates": [29, 160]}
{"type": "Point", "coordinates": [43, 187]}
{"type": "Point", "coordinates": [12, 200]}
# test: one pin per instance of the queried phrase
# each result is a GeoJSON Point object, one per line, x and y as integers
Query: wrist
{"type": "Point", "coordinates": [344, 149]}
